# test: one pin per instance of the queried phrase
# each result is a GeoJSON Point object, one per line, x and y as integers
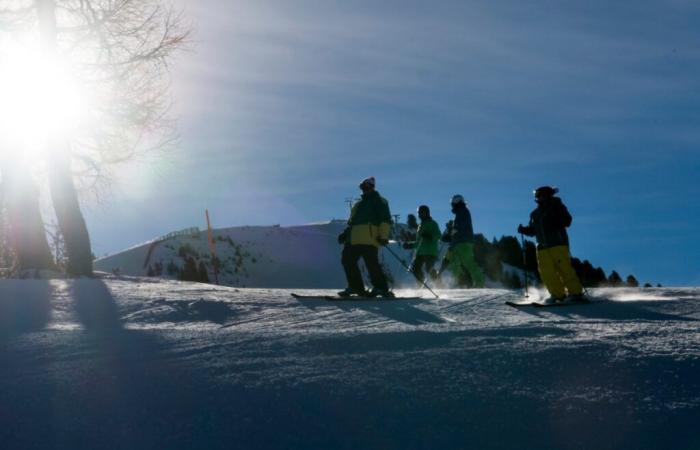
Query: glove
{"type": "Point", "coordinates": [383, 242]}
{"type": "Point", "coordinates": [408, 245]}
{"type": "Point", "coordinates": [521, 229]}
{"type": "Point", "coordinates": [342, 237]}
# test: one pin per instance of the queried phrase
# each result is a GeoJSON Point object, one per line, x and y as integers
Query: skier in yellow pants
{"type": "Point", "coordinates": [548, 223]}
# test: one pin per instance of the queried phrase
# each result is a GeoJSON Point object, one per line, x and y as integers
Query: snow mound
{"type": "Point", "coordinates": [306, 256]}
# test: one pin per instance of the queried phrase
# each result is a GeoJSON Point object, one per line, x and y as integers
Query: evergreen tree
{"type": "Point", "coordinates": [510, 251]}
{"type": "Point", "coordinates": [577, 265]}
{"type": "Point", "coordinates": [216, 264]}
{"type": "Point", "coordinates": [512, 280]}
{"type": "Point", "coordinates": [487, 257]}
{"type": "Point", "coordinates": [172, 269]}
{"type": "Point", "coordinates": [632, 281]}
{"type": "Point", "coordinates": [614, 279]}
{"type": "Point", "coordinates": [600, 276]}
{"type": "Point", "coordinates": [202, 274]}
{"type": "Point", "coordinates": [189, 271]}
{"type": "Point", "coordinates": [186, 249]}
{"type": "Point", "coordinates": [589, 276]}
{"type": "Point", "coordinates": [531, 257]}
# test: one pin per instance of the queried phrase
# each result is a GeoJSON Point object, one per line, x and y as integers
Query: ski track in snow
{"type": "Point", "coordinates": [466, 362]}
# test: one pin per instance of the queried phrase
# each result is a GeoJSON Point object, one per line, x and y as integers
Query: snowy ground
{"type": "Point", "coordinates": [141, 363]}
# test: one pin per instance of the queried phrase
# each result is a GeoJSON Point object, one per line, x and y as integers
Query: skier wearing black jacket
{"type": "Point", "coordinates": [548, 224]}
{"type": "Point", "coordinates": [460, 237]}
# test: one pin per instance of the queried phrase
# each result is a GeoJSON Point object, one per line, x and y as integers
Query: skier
{"type": "Point", "coordinates": [548, 223]}
{"type": "Point", "coordinates": [411, 223]}
{"type": "Point", "coordinates": [425, 245]}
{"type": "Point", "coordinates": [408, 234]}
{"type": "Point", "coordinates": [461, 239]}
{"type": "Point", "coordinates": [368, 228]}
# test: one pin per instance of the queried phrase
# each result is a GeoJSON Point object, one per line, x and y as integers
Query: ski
{"type": "Point", "coordinates": [335, 298]}
{"type": "Point", "coordinates": [552, 305]}
{"type": "Point", "coordinates": [560, 304]}
{"type": "Point", "coordinates": [518, 304]}
{"type": "Point", "coordinates": [309, 297]}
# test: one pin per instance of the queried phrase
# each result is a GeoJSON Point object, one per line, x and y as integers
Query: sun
{"type": "Point", "coordinates": [39, 100]}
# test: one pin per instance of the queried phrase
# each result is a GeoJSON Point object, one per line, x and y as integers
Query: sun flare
{"type": "Point", "coordinates": [39, 99]}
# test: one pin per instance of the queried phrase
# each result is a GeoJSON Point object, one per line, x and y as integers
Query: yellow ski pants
{"type": "Point", "coordinates": [556, 272]}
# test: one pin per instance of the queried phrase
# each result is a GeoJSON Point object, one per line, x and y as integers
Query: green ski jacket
{"type": "Point", "coordinates": [428, 235]}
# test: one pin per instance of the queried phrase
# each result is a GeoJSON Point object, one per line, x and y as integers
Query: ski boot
{"type": "Point", "coordinates": [349, 292]}
{"type": "Point", "coordinates": [381, 293]}
{"type": "Point", "coordinates": [552, 300]}
{"type": "Point", "coordinates": [577, 298]}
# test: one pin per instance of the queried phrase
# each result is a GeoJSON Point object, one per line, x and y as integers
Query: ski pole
{"type": "Point", "coordinates": [424, 284]}
{"type": "Point", "coordinates": [415, 253]}
{"type": "Point", "coordinates": [401, 260]}
{"type": "Point", "coordinates": [522, 241]}
{"type": "Point", "coordinates": [442, 247]}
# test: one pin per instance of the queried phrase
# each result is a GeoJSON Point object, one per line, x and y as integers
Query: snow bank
{"type": "Point", "coordinates": [306, 256]}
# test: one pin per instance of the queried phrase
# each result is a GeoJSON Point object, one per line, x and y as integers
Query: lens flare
{"type": "Point", "coordinates": [39, 99]}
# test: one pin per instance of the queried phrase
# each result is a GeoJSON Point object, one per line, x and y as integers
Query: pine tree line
{"type": "Point", "coordinates": [191, 271]}
{"type": "Point", "coordinates": [193, 266]}
{"type": "Point", "coordinates": [491, 254]}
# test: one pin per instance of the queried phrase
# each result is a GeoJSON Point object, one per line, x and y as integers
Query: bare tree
{"type": "Point", "coordinates": [23, 243]}
{"type": "Point", "coordinates": [119, 51]}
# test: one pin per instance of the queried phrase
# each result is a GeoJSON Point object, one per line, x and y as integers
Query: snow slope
{"type": "Point", "coordinates": [141, 363]}
{"type": "Point", "coordinates": [306, 256]}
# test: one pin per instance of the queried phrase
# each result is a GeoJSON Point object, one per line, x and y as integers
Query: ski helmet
{"type": "Point", "coordinates": [367, 182]}
{"type": "Point", "coordinates": [457, 199]}
{"type": "Point", "coordinates": [545, 191]}
{"type": "Point", "coordinates": [423, 208]}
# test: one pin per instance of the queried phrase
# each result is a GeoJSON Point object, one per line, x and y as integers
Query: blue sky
{"type": "Point", "coordinates": [285, 105]}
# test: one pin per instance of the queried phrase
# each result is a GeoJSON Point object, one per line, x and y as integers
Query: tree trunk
{"type": "Point", "coordinates": [63, 193]}
{"type": "Point", "coordinates": [26, 233]}
{"type": "Point", "coordinates": [68, 215]}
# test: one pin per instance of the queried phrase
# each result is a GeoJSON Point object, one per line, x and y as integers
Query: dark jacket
{"type": "Point", "coordinates": [370, 220]}
{"type": "Point", "coordinates": [548, 223]}
{"type": "Point", "coordinates": [462, 230]}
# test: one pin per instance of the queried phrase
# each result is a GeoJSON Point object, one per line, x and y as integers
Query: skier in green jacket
{"type": "Point", "coordinates": [425, 245]}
